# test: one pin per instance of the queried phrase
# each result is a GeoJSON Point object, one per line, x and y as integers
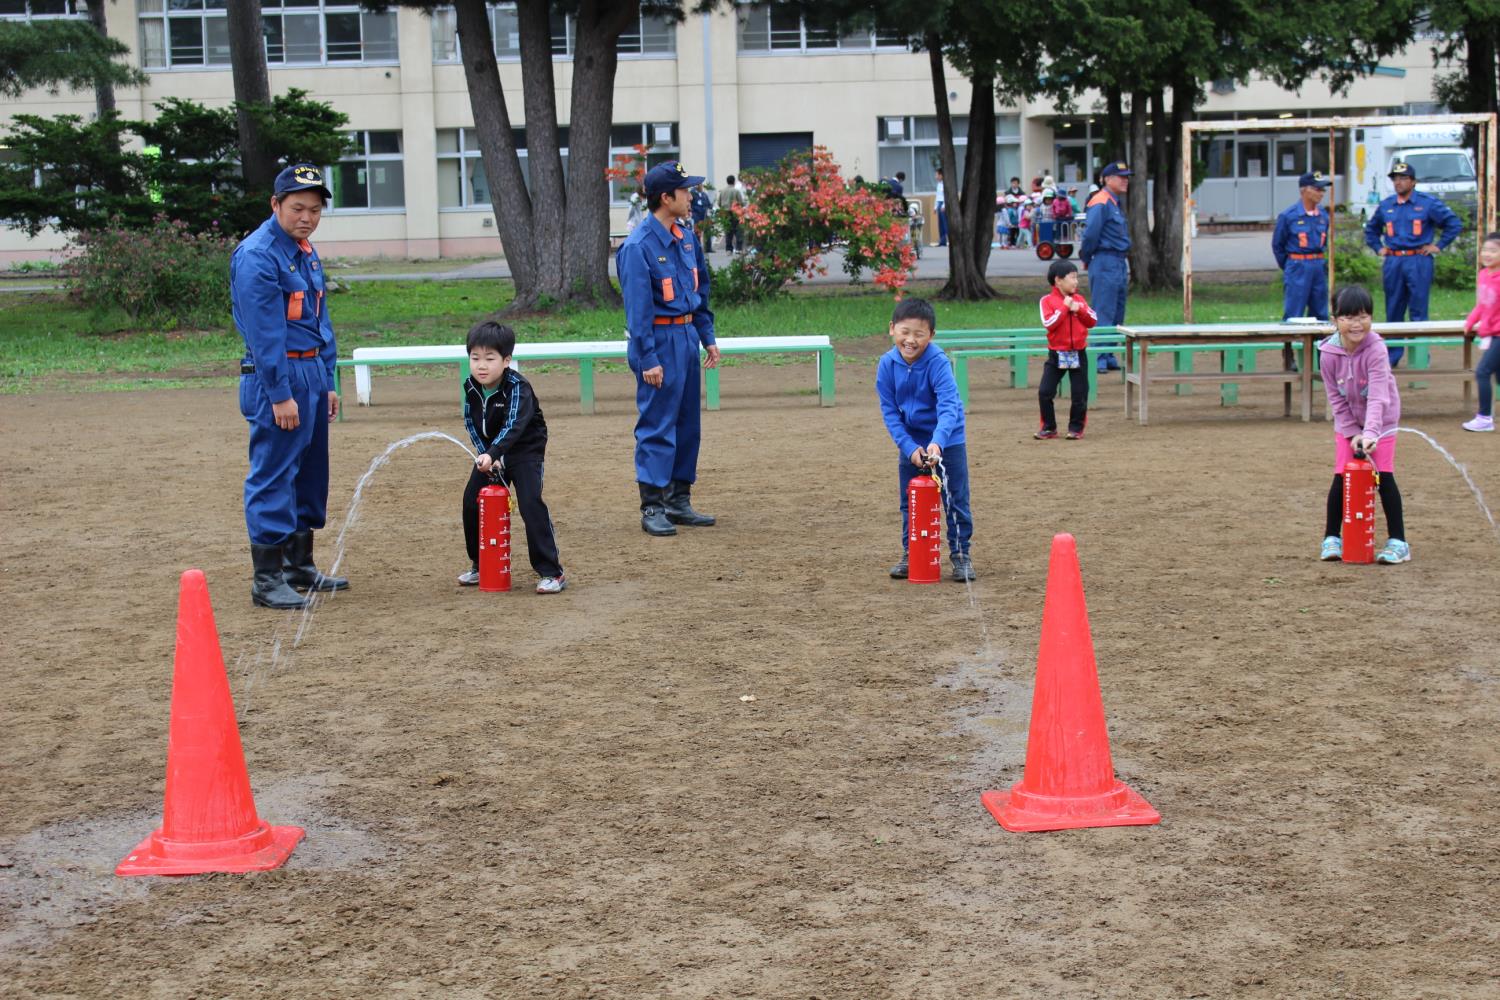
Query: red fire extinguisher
{"type": "Point", "coordinates": [494, 538]}
{"type": "Point", "coordinates": [1360, 482]}
{"type": "Point", "coordinates": [924, 522]}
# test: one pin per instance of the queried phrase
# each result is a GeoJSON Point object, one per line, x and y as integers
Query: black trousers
{"type": "Point", "coordinates": [525, 482]}
{"type": "Point", "coordinates": [1078, 386]}
{"type": "Point", "coordinates": [1390, 502]}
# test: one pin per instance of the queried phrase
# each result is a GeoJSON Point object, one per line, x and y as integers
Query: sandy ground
{"type": "Point", "coordinates": [509, 795]}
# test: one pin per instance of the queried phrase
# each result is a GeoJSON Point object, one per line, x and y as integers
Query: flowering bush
{"type": "Point", "coordinates": [797, 211]}
{"type": "Point", "coordinates": [164, 273]}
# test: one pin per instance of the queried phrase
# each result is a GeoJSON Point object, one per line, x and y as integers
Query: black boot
{"type": "Point", "coordinates": [299, 570]}
{"type": "Point", "coordinates": [270, 589]}
{"type": "Point", "coordinates": [680, 508]}
{"type": "Point", "coordinates": [654, 511]}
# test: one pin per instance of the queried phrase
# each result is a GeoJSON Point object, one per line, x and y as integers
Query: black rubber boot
{"type": "Point", "coordinates": [270, 589]}
{"type": "Point", "coordinates": [298, 566]}
{"type": "Point", "coordinates": [654, 511]}
{"type": "Point", "coordinates": [680, 508]}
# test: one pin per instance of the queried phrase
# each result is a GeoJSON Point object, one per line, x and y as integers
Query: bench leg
{"type": "Point", "coordinates": [362, 384]}
{"type": "Point", "coordinates": [1182, 362]}
{"type": "Point", "coordinates": [824, 362]}
{"type": "Point", "coordinates": [711, 388]}
{"type": "Point", "coordinates": [585, 386]}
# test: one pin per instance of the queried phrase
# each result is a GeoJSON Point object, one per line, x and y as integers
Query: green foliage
{"type": "Point", "coordinates": [56, 54]}
{"type": "Point", "coordinates": [162, 274]}
{"type": "Point", "coordinates": [189, 170]}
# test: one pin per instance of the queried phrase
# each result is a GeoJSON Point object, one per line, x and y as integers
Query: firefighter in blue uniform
{"type": "Point", "coordinates": [1106, 241]}
{"type": "Point", "coordinates": [286, 389]}
{"type": "Point", "coordinates": [1402, 230]}
{"type": "Point", "coordinates": [664, 280]}
{"type": "Point", "coordinates": [1300, 245]}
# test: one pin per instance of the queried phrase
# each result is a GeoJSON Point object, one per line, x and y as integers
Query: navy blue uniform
{"type": "Point", "coordinates": [1404, 227]}
{"type": "Point", "coordinates": [1106, 241]}
{"type": "Point", "coordinates": [277, 288]}
{"type": "Point", "coordinates": [1300, 244]}
{"type": "Point", "coordinates": [665, 283]}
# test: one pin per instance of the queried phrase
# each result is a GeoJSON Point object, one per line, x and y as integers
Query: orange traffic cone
{"type": "Point", "coordinates": [1069, 780]}
{"type": "Point", "coordinates": [209, 822]}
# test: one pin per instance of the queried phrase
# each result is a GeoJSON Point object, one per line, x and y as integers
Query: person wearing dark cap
{"type": "Point", "coordinates": [1106, 241]}
{"type": "Point", "coordinates": [664, 280]}
{"type": "Point", "coordinates": [1408, 229]}
{"type": "Point", "coordinates": [286, 389]}
{"type": "Point", "coordinates": [1300, 244]}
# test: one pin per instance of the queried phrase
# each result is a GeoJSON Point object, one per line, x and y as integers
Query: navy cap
{"type": "Point", "coordinates": [301, 177]}
{"type": "Point", "coordinates": [1116, 169]}
{"type": "Point", "coordinates": [669, 176]}
{"type": "Point", "coordinates": [1402, 169]}
{"type": "Point", "coordinates": [1315, 179]}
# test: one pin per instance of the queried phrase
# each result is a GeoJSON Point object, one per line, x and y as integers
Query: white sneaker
{"type": "Point", "coordinates": [1480, 423]}
{"type": "Point", "coordinates": [552, 584]}
{"type": "Point", "coordinates": [469, 578]}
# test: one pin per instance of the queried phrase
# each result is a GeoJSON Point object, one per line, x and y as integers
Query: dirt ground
{"type": "Point", "coordinates": [509, 795]}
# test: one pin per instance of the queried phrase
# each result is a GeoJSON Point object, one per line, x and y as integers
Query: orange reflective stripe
{"type": "Point", "coordinates": [294, 306]}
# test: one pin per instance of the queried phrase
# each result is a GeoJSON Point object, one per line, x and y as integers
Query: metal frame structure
{"type": "Point", "coordinates": [1486, 170]}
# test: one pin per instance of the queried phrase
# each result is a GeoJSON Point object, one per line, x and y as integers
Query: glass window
{"type": "Point", "coordinates": [372, 177]}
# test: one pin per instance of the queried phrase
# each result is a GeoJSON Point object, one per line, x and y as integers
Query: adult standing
{"type": "Point", "coordinates": [1106, 241]}
{"type": "Point", "coordinates": [665, 283]}
{"type": "Point", "coordinates": [941, 204]}
{"type": "Point", "coordinates": [286, 389]}
{"type": "Point", "coordinates": [1401, 229]}
{"type": "Point", "coordinates": [731, 196]}
{"type": "Point", "coordinates": [1300, 245]}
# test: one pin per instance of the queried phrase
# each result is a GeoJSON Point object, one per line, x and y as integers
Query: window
{"type": "Point", "coordinates": [650, 35]}
{"type": "Point", "coordinates": [42, 10]}
{"type": "Point", "coordinates": [910, 145]}
{"type": "Point", "coordinates": [660, 141]}
{"type": "Point", "coordinates": [773, 28]}
{"type": "Point", "coordinates": [180, 33]}
{"type": "Point", "coordinates": [371, 177]}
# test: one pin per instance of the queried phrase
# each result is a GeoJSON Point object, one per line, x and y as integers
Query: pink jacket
{"type": "Point", "coordinates": [1361, 389]}
{"type": "Point", "coordinates": [1485, 318]}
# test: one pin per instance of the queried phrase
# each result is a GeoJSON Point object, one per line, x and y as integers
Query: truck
{"type": "Point", "coordinates": [1444, 167]}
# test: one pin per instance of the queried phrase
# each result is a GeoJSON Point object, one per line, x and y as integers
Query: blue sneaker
{"type": "Point", "coordinates": [1395, 551]}
{"type": "Point", "coordinates": [1332, 550]}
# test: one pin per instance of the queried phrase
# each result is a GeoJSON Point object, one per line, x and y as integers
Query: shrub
{"type": "Point", "coordinates": [163, 274]}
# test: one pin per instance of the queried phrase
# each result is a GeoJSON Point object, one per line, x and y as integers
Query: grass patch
{"type": "Point", "coordinates": [48, 342]}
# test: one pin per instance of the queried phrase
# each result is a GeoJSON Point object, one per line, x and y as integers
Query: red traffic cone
{"type": "Point", "coordinates": [209, 822]}
{"type": "Point", "coordinates": [1069, 780]}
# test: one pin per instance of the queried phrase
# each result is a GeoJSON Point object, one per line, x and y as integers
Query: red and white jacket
{"type": "Point", "coordinates": [1066, 330]}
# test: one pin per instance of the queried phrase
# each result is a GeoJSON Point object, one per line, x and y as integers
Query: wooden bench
{"type": "Point", "coordinates": [586, 353]}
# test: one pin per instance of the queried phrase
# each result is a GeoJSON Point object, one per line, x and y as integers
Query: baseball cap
{"type": "Point", "coordinates": [1116, 169]}
{"type": "Point", "coordinates": [1402, 169]}
{"type": "Point", "coordinates": [1314, 179]}
{"type": "Point", "coordinates": [668, 176]}
{"type": "Point", "coordinates": [301, 177]}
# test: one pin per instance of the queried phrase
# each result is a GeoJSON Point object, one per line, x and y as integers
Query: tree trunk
{"type": "Point", "coordinates": [965, 273]}
{"type": "Point", "coordinates": [104, 91]}
{"type": "Point", "coordinates": [252, 85]}
{"type": "Point", "coordinates": [497, 147]}
{"type": "Point", "coordinates": [1136, 214]}
{"type": "Point", "coordinates": [543, 156]}
{"type": "Point", "coordinates": [585, 253]}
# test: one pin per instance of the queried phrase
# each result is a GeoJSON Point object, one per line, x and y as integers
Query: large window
{"type": "Point", "coordinates": [181, 33]}
{"type": "Point", "coordinates": [372, 177]}
{"type": "Point", "coordinates": [773, 28]}
{"type": "Point", "coordinates": [649, 35]}
{"type": "Point", "coordinates": [41, 10]}
{"type": "Point", "coordinates": [910, 145]}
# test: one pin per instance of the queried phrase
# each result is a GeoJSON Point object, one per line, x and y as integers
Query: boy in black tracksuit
{"type": "Point", "coordinates": [509, 433]}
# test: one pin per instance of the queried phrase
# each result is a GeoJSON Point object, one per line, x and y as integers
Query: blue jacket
{"type": "Point", "coordinates": [1104, 227]}
{"type": "Point", "coordinates": [1297, 232]}
{"type": "Point", "coordinates": [276, 287]}
{"type": "Point", "coordinates": [662, 273]}
{"type": "Point", "coordinates": [1410, 225]}
{"type": "Point", "coordinates": [920, 401]}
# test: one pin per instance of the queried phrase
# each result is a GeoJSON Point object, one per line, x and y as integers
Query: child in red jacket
{"type": "Point", "coordinates": [1067, 318]}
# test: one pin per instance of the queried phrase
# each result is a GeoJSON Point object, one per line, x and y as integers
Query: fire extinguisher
{"type": "Point", "coordinates": [924, 522]}
{"type": "Point", "coordinates": [494, 538]}
{"type": "Point", "coordinates": [1360, 483]}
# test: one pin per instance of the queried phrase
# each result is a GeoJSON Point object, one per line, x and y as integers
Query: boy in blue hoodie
{"type": "Point", "coordinates": [925, 417]}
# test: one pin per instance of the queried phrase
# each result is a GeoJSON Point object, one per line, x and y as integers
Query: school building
{"type": "Point", "coordinates": [721, 92]}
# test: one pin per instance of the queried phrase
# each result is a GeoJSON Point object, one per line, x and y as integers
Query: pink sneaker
{"type": "Point", "coordinates": [1480, 423]}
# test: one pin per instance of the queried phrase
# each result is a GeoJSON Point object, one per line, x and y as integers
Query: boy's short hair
{"type": "Point", "coordinates": [496, 336]}
{"type": "Point", "coordinates": [915, 308]}
{"type": "Point", "coordinates": [1352, 300]}
{"type": "Point", "coordinates": [1060, 269]}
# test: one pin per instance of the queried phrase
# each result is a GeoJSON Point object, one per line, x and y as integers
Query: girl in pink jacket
{"type": "Point", "coordinates": [1485, 319]}
{"type": "Point", "coordinates": [1366, 409]}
